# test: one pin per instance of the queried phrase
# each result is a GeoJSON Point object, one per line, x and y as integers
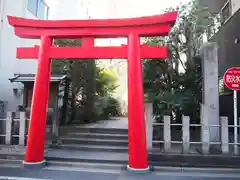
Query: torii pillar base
{"type": "Point", "coordinates": [36, 165]}
{"type": "Point", "coordinates": [138, 171]}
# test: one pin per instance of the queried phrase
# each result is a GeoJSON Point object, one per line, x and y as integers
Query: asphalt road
{"type": "Point", "coordinates": [51, 174]}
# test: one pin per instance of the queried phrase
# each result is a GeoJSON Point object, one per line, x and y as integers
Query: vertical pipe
{"type": "Point", "coordinates": [136, 125]}
{"type": "Point", "coordinates": [37, 126]}
{"type": "Point", "coordinates": [235, 122]}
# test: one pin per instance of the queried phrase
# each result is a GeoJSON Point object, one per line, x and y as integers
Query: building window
{"type": "Point", "coordinates": [38, 8]}
{"type": "Point", "coordinates": [226, 11]}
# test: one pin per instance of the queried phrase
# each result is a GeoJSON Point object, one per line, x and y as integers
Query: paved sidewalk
{"type": "Point", "coordinates": [71, 174]}
{"type": "Point", "coordinates": [115, 122]}
{"type": "Point", "coordinates": [12, 149]}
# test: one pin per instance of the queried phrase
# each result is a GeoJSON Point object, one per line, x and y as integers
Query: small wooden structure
{"type": "Point", "coordinates": [55, 86]}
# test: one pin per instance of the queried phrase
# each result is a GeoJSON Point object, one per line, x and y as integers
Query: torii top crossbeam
{"type": "Point", "coordinates": [158, 25]}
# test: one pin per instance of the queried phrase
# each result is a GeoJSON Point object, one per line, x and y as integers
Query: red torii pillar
{"type": "Point", "coordinates": [136, 124]}
{"type": "Point", "coordinates": [36, 132]}
{"type": "Point", "coordinates": [133, 29]}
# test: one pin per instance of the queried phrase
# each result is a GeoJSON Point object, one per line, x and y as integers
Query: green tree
{"type": "Point", "coordinates": [174, 85]}
{"type": "Point", "coordinates": [80, 87]}
{"type": "Point", "coordinates": [88, 90]}
{"type": "Point", "coordinates": [106, 84]}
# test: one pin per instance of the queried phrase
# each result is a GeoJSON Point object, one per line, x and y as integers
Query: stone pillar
{"type": "Point", "coordinates": [8, 136]}
{"type": "Point", "coordinates": [149, 123]}
{"type": "Point", "coordinates": [22, 128]}
{"type": "Point", "coordinates": [186, 134]}
{"type": "Point", "coordinates": [209, 54]}
{"type": "Point", "coordinates": [224, 135]}
{"type": "Point", "coordinates": [55, 122]}
{"type": "Point", "coordinates": [167, 133]}
{"type": "Point", "coordinates": [204, 130]}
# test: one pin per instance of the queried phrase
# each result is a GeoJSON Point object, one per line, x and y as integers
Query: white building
{"type": "Point", "coordinates": [9, 65]}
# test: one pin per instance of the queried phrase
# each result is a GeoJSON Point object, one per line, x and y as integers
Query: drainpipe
{"type": "Point", "coordinates": [2, 6]}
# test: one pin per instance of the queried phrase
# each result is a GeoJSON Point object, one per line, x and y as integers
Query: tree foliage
{"type": "Point", "coordinates": [89, 89]}
{"type": "Point", "coordinates": [106, 82]}
{"type": "Point", "coordinates": [174, 84]}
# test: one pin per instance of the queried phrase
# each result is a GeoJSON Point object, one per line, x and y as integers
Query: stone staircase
{"type": "Point", "coordinates": [88, 148]}
{"type": "Point", "coordinates": [94, 139]}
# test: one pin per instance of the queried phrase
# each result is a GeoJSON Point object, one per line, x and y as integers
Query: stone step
{"type": "Point", "coordinates": [83, 156]}
{"type": "Point", "coordinates": [98, 136]}
{"type": "Point", "coordinates": [10, 163]}
{"type": "Point", "coordinates": [95, 148]}
{"type": "Point", "coordinates": [102, 142]}
{"type": "Point", "coordinates": [85, 166]}
{"type": "Point", "coordinates": [80, 129]}
{"type": "Point", "coordinates": [117, 168]}
{"type": "Point", "coordinates": [17, 157]}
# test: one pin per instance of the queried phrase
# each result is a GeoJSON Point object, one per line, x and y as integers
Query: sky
{"type": "Point", "coordinates": [145, 7]}
{"type": "Point", "coordinates": [129, 8]}
{"type": "Point", "coordinates": [73, 9]}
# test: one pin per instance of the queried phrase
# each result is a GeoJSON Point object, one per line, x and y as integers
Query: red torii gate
{"type": "Point", "coordinates": [132, 28]}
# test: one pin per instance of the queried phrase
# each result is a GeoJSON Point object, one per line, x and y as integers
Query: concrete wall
{"type": "Point", "coordinates": [213, 5]}
{"type": "Point", "coordinates": [228, 53]}
{"type": "Point", "coordinates": [8, 43]}
{"type": "Point", "coordinates": [235, 6]}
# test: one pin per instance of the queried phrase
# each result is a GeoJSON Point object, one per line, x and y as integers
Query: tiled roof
{"type": "Point", "coordinates": [31, 77]}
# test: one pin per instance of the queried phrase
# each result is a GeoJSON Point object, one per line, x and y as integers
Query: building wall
{"type": "Point", "coordinates": [9, 65]}
{"type": "Point", "coordinates": [213, 5]}
{"type": "Point", "coordinates": [228, 50]}
{"type": "Point", "coordinates": [235, 6]}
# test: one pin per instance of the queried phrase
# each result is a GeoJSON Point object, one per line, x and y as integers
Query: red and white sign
{"type": "Point", "coordinates": [232, 78]}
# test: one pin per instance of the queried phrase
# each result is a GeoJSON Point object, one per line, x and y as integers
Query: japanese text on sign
{"type": "Point", "coordinates": [233, 78]}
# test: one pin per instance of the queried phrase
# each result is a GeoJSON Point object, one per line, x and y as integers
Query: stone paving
{"type": "Point", "coordinates": [89, 155]}
{"type": "Point", "coordinates": [114, 122]}
{"type": "Point", "coordinates": [48, 174]}
{"type": "Point", "coordinates": [12, 149]}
